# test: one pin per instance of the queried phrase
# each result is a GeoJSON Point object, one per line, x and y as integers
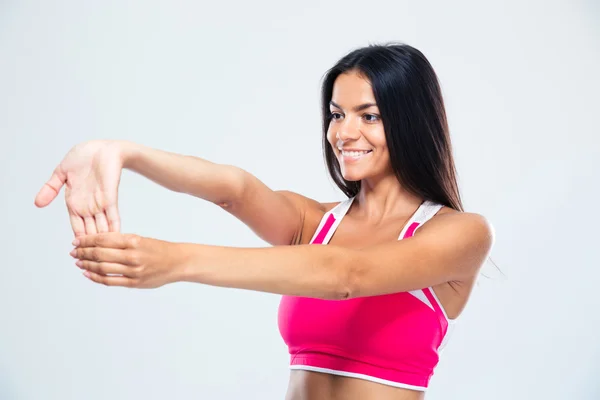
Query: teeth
{"type": "Point", "coordinates": [354, 153]}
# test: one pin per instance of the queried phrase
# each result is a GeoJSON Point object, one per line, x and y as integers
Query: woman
{"type": "Point", "coordinates": [365, 316]}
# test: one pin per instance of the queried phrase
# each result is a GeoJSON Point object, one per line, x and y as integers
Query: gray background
{"type": "Point", "coordinates": [238, 83]}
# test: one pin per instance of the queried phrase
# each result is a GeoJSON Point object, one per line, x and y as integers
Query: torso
{"type": "Point", "coordinates": [309, 385]}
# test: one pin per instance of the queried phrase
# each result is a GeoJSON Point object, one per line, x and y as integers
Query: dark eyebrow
{"type": "Point", "coordinates": [357, 108]}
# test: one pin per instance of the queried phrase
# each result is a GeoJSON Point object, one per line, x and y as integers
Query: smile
{"type": "Point", "coordinates": [350, 156]}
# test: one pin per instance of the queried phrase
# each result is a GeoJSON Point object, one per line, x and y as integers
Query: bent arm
{"type": "Point", "coordinates": [188, 174]}
{"type": "Point", "coordinates": [276, 216]}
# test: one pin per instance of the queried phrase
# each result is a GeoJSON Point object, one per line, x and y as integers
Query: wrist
{"type": "Point", "coordinates": [185, 261]}
{"type": "Point", "coordinates": [129, 152]}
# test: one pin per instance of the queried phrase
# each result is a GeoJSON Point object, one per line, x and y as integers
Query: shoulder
{"type": "Point", "coordinates": [462, 240]}
{"type": "Point", "coordinates": [447, 215]}
{"type": "Point", "coordinates": [312, 212]}
{"type": "Point", "coordinates": [308, 204]}
{"type": "Point", "coordinates": [459, 228]}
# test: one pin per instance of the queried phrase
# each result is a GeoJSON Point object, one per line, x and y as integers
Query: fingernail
{"type": "Point", "coordinates": [73, 252]}
{"type": "Point", "coordinates": [75, 242]}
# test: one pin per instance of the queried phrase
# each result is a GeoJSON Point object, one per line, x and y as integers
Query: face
{"type": "Point", "coordinates": [355, 131]}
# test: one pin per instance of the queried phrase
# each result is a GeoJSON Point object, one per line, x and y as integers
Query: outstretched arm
{"type": "Point", "coordinates": [447, 248]}
{"type": "Point", "coordinates": [91, 173]}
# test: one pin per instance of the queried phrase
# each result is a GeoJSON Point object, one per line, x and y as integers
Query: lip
{"type": "Point", "coordinates": [342, 149]}
{"type": "Point", "coordinates": [351, 160]}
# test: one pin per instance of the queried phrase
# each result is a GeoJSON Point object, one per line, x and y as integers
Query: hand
{"type": "Point", "coordinates": [139, 262]}
{"type": "Point", "coordinates": [91, 172]}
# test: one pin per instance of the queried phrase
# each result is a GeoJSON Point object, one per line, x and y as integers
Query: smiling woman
{"type": "Point", "coordinates": [356, 135]}
{"type": "Point", "coordinates": [371, 285]}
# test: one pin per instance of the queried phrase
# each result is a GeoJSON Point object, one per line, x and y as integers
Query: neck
{"type": "Point", "coordinates": [384, 199]}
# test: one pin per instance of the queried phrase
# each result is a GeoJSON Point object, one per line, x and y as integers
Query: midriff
{"type": "Point", "coordinates": [310, 385]}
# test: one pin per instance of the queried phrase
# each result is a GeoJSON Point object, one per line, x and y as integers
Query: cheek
{"type": "Point", "coordinates": [379, 137]}
{"type": "Point", "coordinates": [376, 137]}
{"type": "Point", "coordinates": [331, 138]}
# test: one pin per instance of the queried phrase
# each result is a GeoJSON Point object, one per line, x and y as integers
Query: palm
{"type": "Point", "coordinates": [91, 172]}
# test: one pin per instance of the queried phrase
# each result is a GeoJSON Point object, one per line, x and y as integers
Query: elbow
{"type": "Point", "coordinates": [234, 183]}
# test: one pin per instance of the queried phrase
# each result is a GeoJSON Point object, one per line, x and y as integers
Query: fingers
{"type": "Point", "coordinates": [110, 280]}
{"type": "Point", "coordinates": [50, 189]}
{"type": "Point", "coordinates": [114, 221]}
{"type": "Point", "coordinates": [99, 254]}
{"type": "Point", "coordinates": [96, 224]}
{"type": "Point", "coordinates": [112, 240]}
{"type": "Point", "coordinates": [90, 225]}
{"type": "Point", "coordinates": [106, 268]}
{"type": "Point", "coordinates": [80, 223]}
{"type": "Point", "coordinates": [77, 224]}
{"type": "Point", "coordinates": [101, 223]}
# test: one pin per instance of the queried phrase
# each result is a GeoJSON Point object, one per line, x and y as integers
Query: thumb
{"type": "Point", "coordinates": [50, 189]}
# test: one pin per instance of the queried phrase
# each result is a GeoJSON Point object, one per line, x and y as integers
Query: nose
{"type": "Point", "coordinates": [347, 131]}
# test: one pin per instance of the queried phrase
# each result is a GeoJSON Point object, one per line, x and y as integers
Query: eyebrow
{"type": "Point", "coordinates": [357, 108]}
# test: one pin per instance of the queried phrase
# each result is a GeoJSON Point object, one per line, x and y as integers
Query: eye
{"type": "Point", "coordinates": [374, 118]}
{"type": "Point", "coordinates": [334, 115]}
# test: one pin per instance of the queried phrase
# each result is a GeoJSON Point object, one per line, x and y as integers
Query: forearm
{"type": "Point", "coordinates": [192, 175]}
{"type": "Point", "coordinates": [305, 270]}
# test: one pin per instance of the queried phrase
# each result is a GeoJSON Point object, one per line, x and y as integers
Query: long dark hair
{"type": "Point", "coordinates": [409, 99]}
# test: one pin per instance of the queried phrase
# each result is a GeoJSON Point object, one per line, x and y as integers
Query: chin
{"type": "Point", "coordinates": [353, 176]}
{"type": "Point", "coordinates": [352, 179]}
{"type": "Point", "coordinates": [359, 175]}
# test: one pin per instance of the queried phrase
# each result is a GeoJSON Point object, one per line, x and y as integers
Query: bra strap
{"type": "Point", "coordinates": [330, 221]}
{"type": "Point", "coordinates": [425, 212]}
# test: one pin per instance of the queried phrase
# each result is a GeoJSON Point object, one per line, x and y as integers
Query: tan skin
{"type": "Point", "coordinates": [375, 226]}
{"type": "Point", "coordinates": [309, 385]}
{"type": "Point", "coordinates": [445, 253]}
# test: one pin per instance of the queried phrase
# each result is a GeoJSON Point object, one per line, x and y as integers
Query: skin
{"type": "Point", "coordinates": [446, 253]}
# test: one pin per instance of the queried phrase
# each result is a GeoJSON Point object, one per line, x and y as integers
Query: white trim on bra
{"type": "Point", "coordinates": [424, 212]}
{"type": "Point", "coordinates": [360, 376]}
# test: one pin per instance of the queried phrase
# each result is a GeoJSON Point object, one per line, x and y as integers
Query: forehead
{"type": "Point", "coordinates": [350, 89]}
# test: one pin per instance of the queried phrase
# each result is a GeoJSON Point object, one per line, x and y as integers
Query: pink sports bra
{"type": "Point", "coordinates": [393, 339]}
